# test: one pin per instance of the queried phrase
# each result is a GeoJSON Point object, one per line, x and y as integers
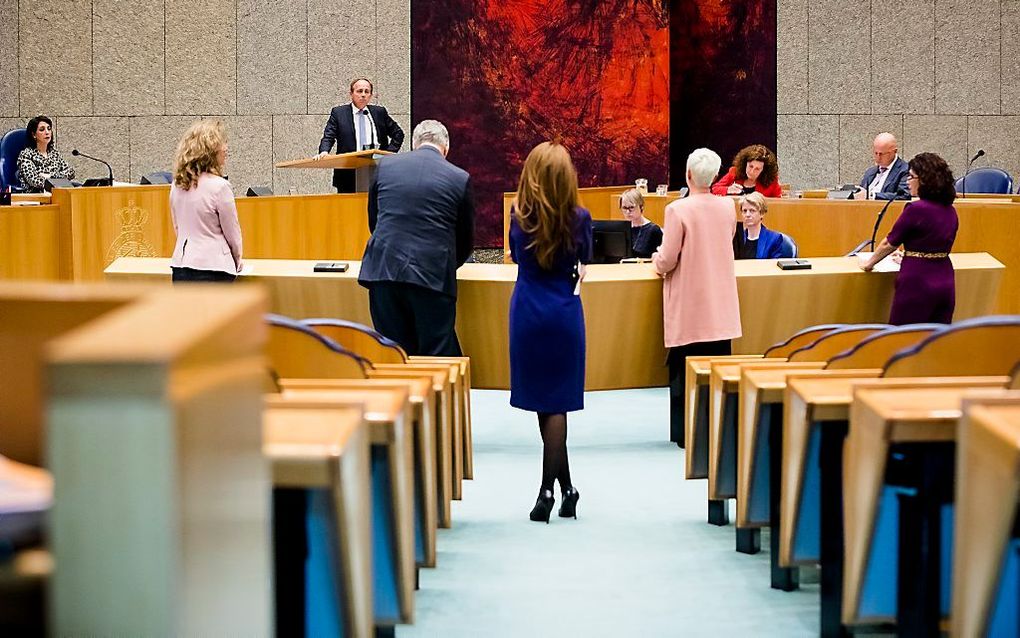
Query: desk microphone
{"type": "Point", "coordinates": [963, 182]}
{"type": "Point", "coordinates": [878, 222]}
{"type": "Point", "coordinates": [78, 153]}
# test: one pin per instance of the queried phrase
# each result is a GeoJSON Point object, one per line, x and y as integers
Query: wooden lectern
{"type": "Point", "coordinates": [361, 162]}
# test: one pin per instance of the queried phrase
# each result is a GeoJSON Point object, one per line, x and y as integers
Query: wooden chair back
{"type": "Point", "coordinates": [359, 339]}
{"type": "Point", "coordinates": [876, 350]}
{"type": "Point", "coordinates": [835, 342]}
{"type": "Point", "coordinates": [31, 315]}
{"type": "Point", "coordinates": [295, 351]}
{"type": "Point", "coordinates": [984, 346]}
{"type": "Point", "coordinates": [799, 340]}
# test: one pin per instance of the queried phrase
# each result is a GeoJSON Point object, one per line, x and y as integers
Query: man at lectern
{"type": "Point", "coordinates": [357, 126]}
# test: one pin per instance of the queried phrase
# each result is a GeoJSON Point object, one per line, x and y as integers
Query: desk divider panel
{"type": "Point", "coordinates": [155, 447]}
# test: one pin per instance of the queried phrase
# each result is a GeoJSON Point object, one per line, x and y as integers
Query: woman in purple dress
{"type": "Point", "coordinates": [925, 286]}
{"type": "Point", "coordinates": [550, 240]}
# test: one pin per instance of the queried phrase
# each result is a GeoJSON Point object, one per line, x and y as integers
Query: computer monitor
{"type": "Point", "coordinates": [611, 241]}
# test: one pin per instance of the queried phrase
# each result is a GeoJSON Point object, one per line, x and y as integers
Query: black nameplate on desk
{"type": "Point", "coordinates": [331, 266]}
{"type": "Point", "coordinates": [794, 264]}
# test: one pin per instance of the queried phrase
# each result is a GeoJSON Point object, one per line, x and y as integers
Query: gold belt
{"type": "Point", "coordinates": [914, 253]}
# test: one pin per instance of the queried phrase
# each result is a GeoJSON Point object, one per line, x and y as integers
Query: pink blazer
{"type": "Point", "coordinates": [699, 288]}
{"type": "Point", "coordinates": [205, 219]}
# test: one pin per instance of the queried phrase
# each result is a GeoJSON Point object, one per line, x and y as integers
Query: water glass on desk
{"type": "Point", "coordinates": [661, 190]}
{"type": "Point", "coordinates": [641, 184]}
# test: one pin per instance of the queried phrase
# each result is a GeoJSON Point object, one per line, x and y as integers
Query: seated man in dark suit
{"type": "Point", "coordinates": [357, 126]}
{"type": "Point", "coordinates": [889, 174]}
{"type": "Point", "coordinates": [421, 215]}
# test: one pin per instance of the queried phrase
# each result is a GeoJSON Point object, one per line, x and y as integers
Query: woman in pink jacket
{"type": "Point", "coordinates": [699, 289]}
{"type": "Point", "coordinates": [202, 207]}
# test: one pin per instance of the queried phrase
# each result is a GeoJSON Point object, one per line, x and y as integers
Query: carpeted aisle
{"type": "Point", "coordinates": [640, 560]}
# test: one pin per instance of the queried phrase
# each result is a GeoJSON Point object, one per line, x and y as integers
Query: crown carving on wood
{"type": "Point", "coordinates": [131, 241]}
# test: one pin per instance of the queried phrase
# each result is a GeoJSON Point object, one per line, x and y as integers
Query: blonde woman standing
{"type": "Point", "coordinates": [550, 240]}
{"type": "Point", "coordinates": [202, 208]}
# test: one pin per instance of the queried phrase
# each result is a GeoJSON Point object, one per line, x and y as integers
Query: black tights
{"type": "Point", "coordinates": [554, 455]}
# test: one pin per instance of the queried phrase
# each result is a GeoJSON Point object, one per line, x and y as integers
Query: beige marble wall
{"type": "Point", "coordinates": [122, 80]}
{"type": "Point", "coordinates": [943, 75]}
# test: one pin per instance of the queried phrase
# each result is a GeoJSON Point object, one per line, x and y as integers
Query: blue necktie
{"type": "Point", "coordinates": [362, 129]}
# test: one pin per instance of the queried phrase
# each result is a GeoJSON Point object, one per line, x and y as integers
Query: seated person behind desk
{"type": "Point", "coordinates": [645, 234]}
{"type": "Point", "coordinates": [888, 175]}
{"type": "Point", "coordinates": [754, 241]}
{"type": "Point", "coordinates": [755, 168]}
{"type": "Point", "coordinates": [39, 161]}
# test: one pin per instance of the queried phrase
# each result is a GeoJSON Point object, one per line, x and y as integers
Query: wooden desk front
{"type": "Point", "coordinates": [85, 229]}
{"type": "Point", "coordinates": [830, 227]}
{"type": "Point", "coordinates": [622, 305]}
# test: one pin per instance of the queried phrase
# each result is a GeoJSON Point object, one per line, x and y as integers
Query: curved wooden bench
{"type": "Point", "coordinates": [876, 350]}
{"type": "Point", "coordinates": [980, 346]}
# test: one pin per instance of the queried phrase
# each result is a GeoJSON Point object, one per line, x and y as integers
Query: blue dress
{"type": "Point", "coordinates": [547, 325]}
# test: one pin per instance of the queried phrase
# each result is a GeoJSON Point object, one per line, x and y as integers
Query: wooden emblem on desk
{"type": "Point", "coordinates": [131, 241]}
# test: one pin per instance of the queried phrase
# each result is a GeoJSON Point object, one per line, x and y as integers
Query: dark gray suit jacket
{"type": "Point", "coordinates": [422, 219]}
{"type": "Point", "coordinates": [897, 179]}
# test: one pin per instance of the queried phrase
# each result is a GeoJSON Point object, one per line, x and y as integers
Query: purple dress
{"type": "Point", "coordinates": [925, 287]}
{"type": "Point", "coordinates": [547, 325]}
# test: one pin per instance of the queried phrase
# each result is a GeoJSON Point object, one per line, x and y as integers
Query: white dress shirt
{"type": "Point", "coordinates": [373, 137]}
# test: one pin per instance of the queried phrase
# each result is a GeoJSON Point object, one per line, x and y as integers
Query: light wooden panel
{"type": "Point", "coordinates": [161, 490]}
{"type": "Point", "coordinates": [30, 245]}
{"type": "Point", "coordinates": [31, 315]}
{"type": "Point", "coordinates": [617, 299]}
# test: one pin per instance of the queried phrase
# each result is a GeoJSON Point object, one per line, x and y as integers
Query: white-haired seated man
{"type": "Point", "coordinates": [421, 215]}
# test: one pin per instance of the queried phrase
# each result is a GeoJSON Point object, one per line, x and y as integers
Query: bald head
{"type": "Point", "coordinates": [884, 148]}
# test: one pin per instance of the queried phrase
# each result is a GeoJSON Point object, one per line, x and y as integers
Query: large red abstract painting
{"type": "Point", "coordinates": [504, 75]}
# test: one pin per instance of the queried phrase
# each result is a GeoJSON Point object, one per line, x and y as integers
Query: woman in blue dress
{"type": "Point", "coordinates": [550, 240]}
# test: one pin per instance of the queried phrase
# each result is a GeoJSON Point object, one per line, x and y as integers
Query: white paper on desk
{"type": "Point", "coordinates": [886, 265]}
{"type": "Point", "coordinates": [246, 269]}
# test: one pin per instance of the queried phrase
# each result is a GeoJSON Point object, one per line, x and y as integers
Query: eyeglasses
{"type": "Point", "coordinates": [911, 176]}
{"type": "Point", "coordinates": [628, 207]}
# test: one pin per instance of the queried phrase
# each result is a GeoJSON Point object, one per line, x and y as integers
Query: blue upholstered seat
{"type": "Point", "coordinates": [986, 180]}
{"type": "Point", "coordinates": [11, 144]}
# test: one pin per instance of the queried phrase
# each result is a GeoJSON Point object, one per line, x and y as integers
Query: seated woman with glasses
{"type": "Point", "coordinates": [753, 240]}
{"type": "Point", "coordinates": [645, 235]}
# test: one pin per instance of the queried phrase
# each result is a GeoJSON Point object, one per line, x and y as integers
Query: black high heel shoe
{"type": "Point", "coordinates": [543, 507]}
{"type": "Point", "coordinates": [568, 509]}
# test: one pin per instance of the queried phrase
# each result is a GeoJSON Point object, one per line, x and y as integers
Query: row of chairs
{"type": "Point", "coordinates": [417, 468]}
{"type": "Point", "coordinates": [843, 440]}
{"type": "Point", "coordinates": [367, 448]}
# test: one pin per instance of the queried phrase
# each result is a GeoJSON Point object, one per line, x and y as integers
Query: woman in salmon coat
{"type": "Point", "coordinates": [700, 311]}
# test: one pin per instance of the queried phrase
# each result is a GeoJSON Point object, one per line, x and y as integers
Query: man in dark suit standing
{"type": "Point", "coordinates": [889, 174]}
{"type": "Point", "coordinates": [358, 126]}
{"type": "Point", "coordinates": [421, 215]}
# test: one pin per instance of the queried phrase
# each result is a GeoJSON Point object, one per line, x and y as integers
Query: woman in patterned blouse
{"type": "Point", "coordinates": [39, 161]}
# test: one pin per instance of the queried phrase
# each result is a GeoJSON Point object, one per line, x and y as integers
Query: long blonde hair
{"type": "Point", "coordinates": [546, 199]}
{"type": "Point", "coordinates": [198, 152]}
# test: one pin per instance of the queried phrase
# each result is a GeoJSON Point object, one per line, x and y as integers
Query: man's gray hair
{"type": "Point", "coordinates": [703, 165]}
{"type": "Point", "coordinates": [430, 132]}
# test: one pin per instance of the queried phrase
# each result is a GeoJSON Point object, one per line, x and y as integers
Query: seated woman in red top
{"type": "Point", "coordinates": [755, 168]}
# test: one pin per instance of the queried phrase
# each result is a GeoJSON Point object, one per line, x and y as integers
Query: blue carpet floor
{"type": "Point", "coordinates": [640, 559]}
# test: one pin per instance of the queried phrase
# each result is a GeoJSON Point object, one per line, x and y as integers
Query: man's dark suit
{"type": "Point", "coordinates": [422, 216]}
{"type": "Point", "coordinates": [897, 179]}
{"type": "Point", "coordinates": [340, 129]}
